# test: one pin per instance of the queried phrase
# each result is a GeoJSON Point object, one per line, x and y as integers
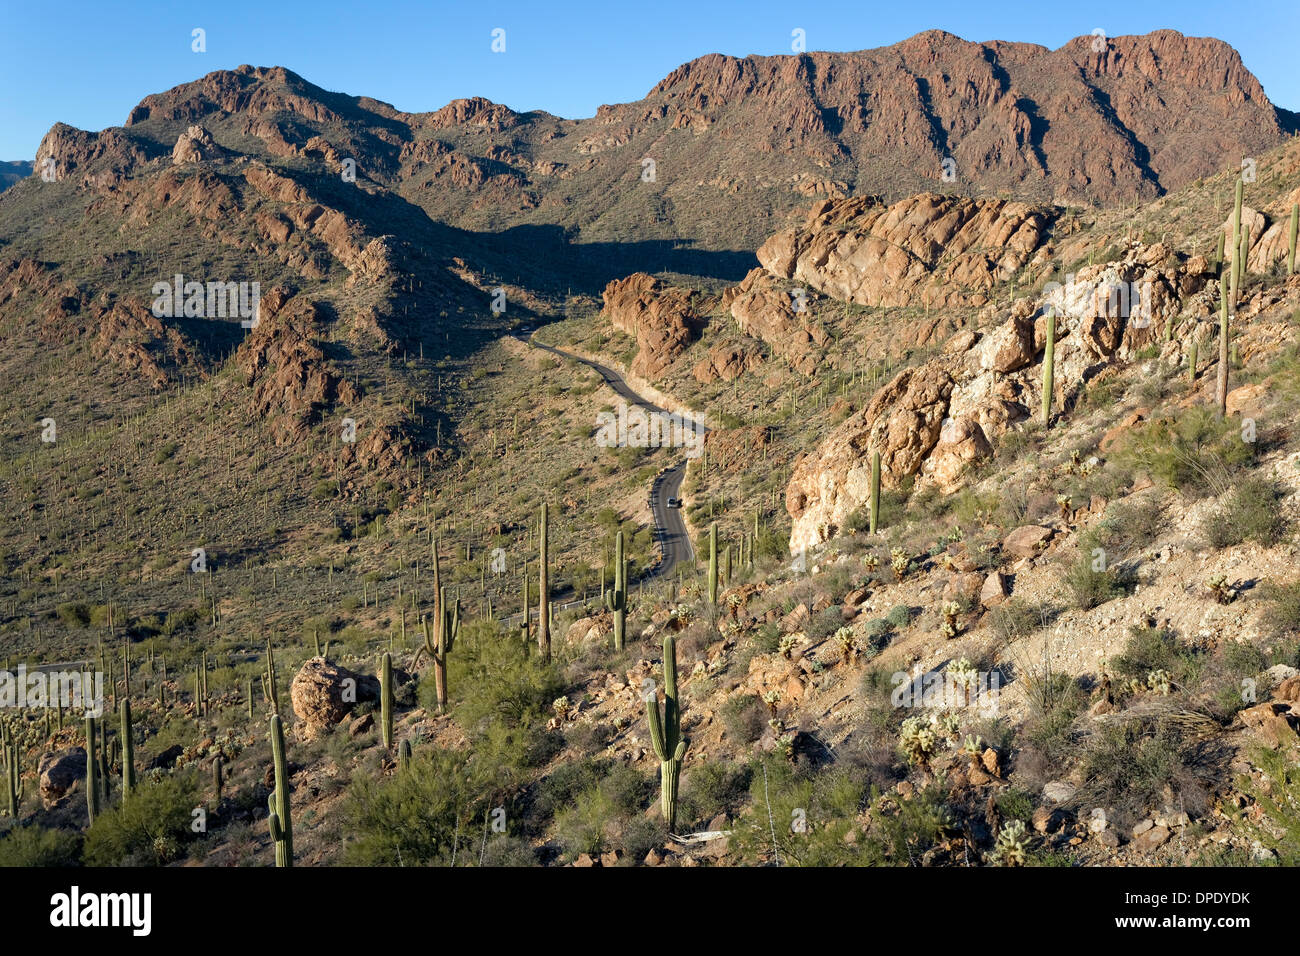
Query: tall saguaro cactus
{"type": "Point", "coordinates": [440, 644]}
{"type": "Point", "coordinates": [616, 597]}
{"type": "Point", "coordinates": [92, 772]}
{"type": "Point", "coordinates": [544, 592]}
{"type": "Point", "coordinates": [1228, 309]}
{"type": "Point", "coordinates": [1295, 226]}
{"type": "Point", "coordinates": [713, 563]}
{"type": "Point", "coordinates": [128, 751]}
{"type": "Point", "coordinates": [386, 699]}
{"type": "Point", "coordinates": [13, 780]}
{"type": "Point", "coordinates": [875, 491]}
{"type": "Point", "coordinates": [666, 734]}
{"type": "Point", "coordinates": [1049, 363]}
{"type": "Point", "coordinates": [280, 820]}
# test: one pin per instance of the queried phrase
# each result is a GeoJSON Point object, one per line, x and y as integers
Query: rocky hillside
{"type": "Point", "coordinates": [308, 544]}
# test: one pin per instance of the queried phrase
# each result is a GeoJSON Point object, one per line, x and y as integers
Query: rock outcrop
{"type": "Point", "coordinates": [195, 145]}
{"type": "Point", "coordinates": [935, 419]}
{"type": "Point", "coordinates": [660, 317]}
{"type": "Point", "coordinates": [927, 249]}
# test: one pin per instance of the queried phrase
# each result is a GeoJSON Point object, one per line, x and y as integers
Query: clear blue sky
{"type": "Point", "coordinates": [88, 63]}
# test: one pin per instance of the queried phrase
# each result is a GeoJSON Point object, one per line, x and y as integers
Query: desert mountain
{"type": "Point", "coordinates": [735, 144]}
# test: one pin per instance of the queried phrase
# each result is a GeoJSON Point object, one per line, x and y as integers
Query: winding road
{"type": "Point", "coordinates": [670, 528]}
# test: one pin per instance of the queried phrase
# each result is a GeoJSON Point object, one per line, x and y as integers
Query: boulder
{"type": "Point", "coordinates": [59, 773]}
{"type": "Point", "coordinates": [1027, 541]}
{"type": "Point", "coordinates": [323, 693]}
{"type": "Point", "coordinates": [993, 591]}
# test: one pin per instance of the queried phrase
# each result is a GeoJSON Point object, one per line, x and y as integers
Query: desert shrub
{"type": "Point", "coordinates": [902, 834]}
{"type": "Point", "coordinates": [1054, 699]}
{"type": "Point", "coordinates": [1135, 768]}
{"type": "Point", "coordinates": [38, 846]}
{"type": "Point", "coordinates": [712, 787]}
{"type": "Point", "coordinates": [1091, 582]}
{"type": "Point", "coordinates": [1252, 512]}
{"type": "Point", "coordinates": [1279, 803]}
{"type": "Point", "coordinates": [827, 622]}
{"type": "Point", "coordinates": [1284, 606]}
{"type": "Point", "coordinates": [74, 614]}
{"type": "Point", "coordinates": [1148, 649]}
{"type": "Point", "coordinates": [587, 824]}
{"type": "Point", "coordinates": [744, 717]}
{"type": "Point", "coordinates": [494, 679]}
{"type": "Point", "coordinates": [147, 830]}
{"type": "Point", "coordinates": [1015, 619]}
{"type": "Point", "coordinates": [1129, 526]}
{"type": "Point", "coordinates": [827, 802]}
{"type": "Point", "coordinates": [899, 616]}
{"type": "Point", "coordinates": [1197, 455]}
{"type": "Point", "coordinates": [412, 817]}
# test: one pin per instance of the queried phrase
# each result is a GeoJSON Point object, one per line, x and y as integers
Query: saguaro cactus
{"type": "Point", "coordinates": [544, 593]}
{"type": "Point", "coordinates": [386, 698]}
{"type": "Point", "coordinates": [616, 597]}
{"type": "Point", "coordinates": [875, 491]}
{"type": "Point", "coordinates": [440, 644]}
{"type": "Point", "coordinates": [1049, 361]}
{"type": "Point", "coordinates": [218, 776]}
{"type": "Point", "coordinates": [280, 820]}
{"type": "Point", "coordinates": [92, 772]}
{"type": "Point", "coordinates": [713, 563]}
{"type": "Point", "coordinates": [1295, 224]}
{"type": "Point", "coordinates": [404, 754]}
{"type": "Point", "coordinates": [13, 780]}
{"type": "Point", "coordinates": [128, 751]}
{"type": "Point", "coordinates": [1221, 382]}
{"type": "Point", "coordinates": [666, 734]}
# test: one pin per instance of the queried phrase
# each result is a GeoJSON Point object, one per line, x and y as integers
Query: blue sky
{"type": "Point", "coordinates": [88, 63]}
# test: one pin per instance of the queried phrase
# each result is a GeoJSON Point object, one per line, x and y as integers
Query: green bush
{"type": "Point", "coordinates": [149, 829]}
{"type": "Point", "coordinates": [1284, 611]}
{"type": "Point", "coordinates": [411, 818]}
{"type": "Point", "coordinates": [1252, 512]}
{"type": "Point", "coordinates": [899, 616]}
{"type": "Point", "coordinates": [712, 787]}
{"type": "Point", "coordinates": [37, 846]}
{"type": "Point", "coordinates": [1090, 587]}
{"type": "Point", "coordinates": [1197, 455]}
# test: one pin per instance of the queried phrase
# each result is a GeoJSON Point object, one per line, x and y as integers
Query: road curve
{"type": "Point", "coordinates": [670, 528]}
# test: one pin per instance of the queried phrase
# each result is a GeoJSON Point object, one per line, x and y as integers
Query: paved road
{"type": "Point", "coordinates": [670, 529]}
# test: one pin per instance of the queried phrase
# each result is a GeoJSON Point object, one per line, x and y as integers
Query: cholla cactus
{"type": "Point", "coordinates": [848, 644]}
{"type": "Point", "coordinates": [772, 698]}
{"type": "Point", "coordinates": [786, 745]}
{"type": "Point", "coordinates": [1012, 845]}
{"type": "Point", "coordinates": [899, 561]}
{"type": "Point", "coordinates": [964, 675]}
{"type": "Point", "coordinates": [787, 646]}
{"type": "Point", "coordinates": [1159, 681]}
{"type": "Point", "coordinates": [562, 708]}
{"type": "Point", "coordinates": [973, 748]}
{"type": "Point", "coordinates": [947, 725]}
{"type": "Point", "coordinates": [734, 602]}
{"type": "Point", "coordinates": [1223, 592]}
{"type": "Point", "coordinates": [1063, 502]}
{"type": "Point", "coordinates": [918, 741]}
{"type": "Point", "coordinates": [871, 562]}
{"type": "Point", "coordinates": [950, 626]}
